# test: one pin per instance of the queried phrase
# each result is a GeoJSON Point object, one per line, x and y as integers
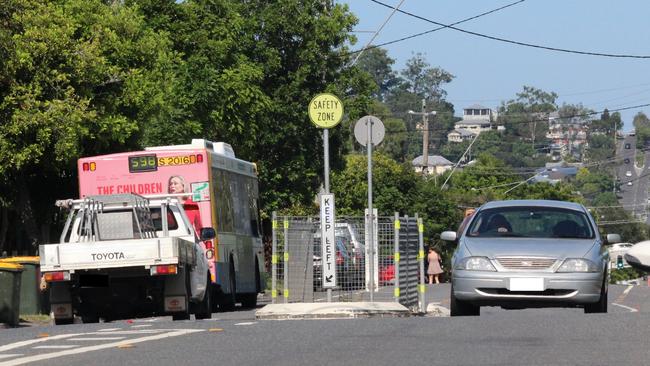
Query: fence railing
{"type": "Point", "coordinates": [398, 260]}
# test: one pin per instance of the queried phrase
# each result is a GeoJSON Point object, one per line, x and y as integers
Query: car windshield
{"type": "Point", "coordinates": [531, 222]}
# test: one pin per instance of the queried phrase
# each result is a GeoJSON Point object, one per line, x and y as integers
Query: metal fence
{"type": "Point", "coordinates": [398, 260]}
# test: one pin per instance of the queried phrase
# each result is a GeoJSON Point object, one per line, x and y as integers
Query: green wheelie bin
{"type": "Point", "coordinates": [10, 274]}
{"type": "Point", "coordinates": [30, 294]}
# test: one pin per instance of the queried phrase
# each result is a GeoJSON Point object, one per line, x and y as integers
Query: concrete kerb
{"type": "Point", "coordinates": [333, 310]}
{"type": "Point", "coordinates": [436, 310]}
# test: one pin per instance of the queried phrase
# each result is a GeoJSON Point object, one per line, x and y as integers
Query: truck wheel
{"type": "Point", "coordinates": [65, 321]}
{"type": "Point", "coordinates": [204, 309]}
{"type": "Point", "coordinates": [89, 318]}
{"type": "Point", "coordinates": [184, 315]}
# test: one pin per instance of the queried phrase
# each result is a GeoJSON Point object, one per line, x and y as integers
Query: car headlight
{"type": "Point", "coordinates": [578, 265]}
{"type": "Point", "coordinates": [475, 264]}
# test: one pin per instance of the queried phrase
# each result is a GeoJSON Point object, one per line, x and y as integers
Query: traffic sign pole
{"type": "Point", "coordinates": [372, 133]}
{"type": "Point", "coordinates": [326, 111]}
{"type": "Point", "coordinates": [370, 213]}
{"type": "Point", "coordinates": [326, 167]}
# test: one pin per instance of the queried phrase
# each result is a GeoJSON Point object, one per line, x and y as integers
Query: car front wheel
{"type": "Point", "coordinates": [601, 305]}
{"type": "Point", "coordinates": [461, 308]}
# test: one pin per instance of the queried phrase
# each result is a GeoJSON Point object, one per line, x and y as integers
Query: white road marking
{"type": "Point", "coordinates": [96, 339]}
{"type": "Point", "coordinates": [246, 323]}
{"type": "Point", "coordinates": [11, 355]}
{"type": "Point", "coordinates": [141, 326]}
{"type": "Point", "coordinates": [151, 320]}
{"type": "Point", "coordinates": [47, 356]}
{"type": "Point", "coordinates": [57, 347]}
{"type": "Point", "coordinates": [628, 289]}
{"type": "Point", "coordinates": [38, 340]}
{"type": "Point", "coordinates": [109, 329]}
{"type": "Point", "coordinates": [632, 310]}
{"type": "Point", "coordinates": [133, 331]}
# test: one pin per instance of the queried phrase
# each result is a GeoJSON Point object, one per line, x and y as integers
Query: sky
{"type": "Point", "coordinates": [488, 72]}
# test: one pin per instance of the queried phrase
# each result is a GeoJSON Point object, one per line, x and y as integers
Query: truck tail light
{"type": "Point", "coordinates": [208, 244]}
{"type": "Point", "coordinates": [166, 269]}
{"type": "Point", "coordinates": [199, 158]}
{"type": "Point", "coordinates": [56, 276]}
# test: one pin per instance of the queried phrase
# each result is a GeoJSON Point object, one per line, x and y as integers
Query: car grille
{"type": "Point", "coordinates": [525, 262]}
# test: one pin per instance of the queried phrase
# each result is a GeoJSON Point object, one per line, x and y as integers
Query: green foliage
{"type": "Point", "coordinates": [624, 274]}
{"type": "Point", "coordinates": [394, 186]}
{"type": "Point", "coordinates": [642, 128]}
{"type": "Point", "coordinates": [378, 64]}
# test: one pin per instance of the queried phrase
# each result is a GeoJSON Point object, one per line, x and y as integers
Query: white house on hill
{"type": "Point", "coordinates": [436, 165]}
{"type": "Point", "coordinates": [476, 119]}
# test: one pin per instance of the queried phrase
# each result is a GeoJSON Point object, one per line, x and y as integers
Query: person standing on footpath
{"type": "Point", "coordinates": [433, 269]}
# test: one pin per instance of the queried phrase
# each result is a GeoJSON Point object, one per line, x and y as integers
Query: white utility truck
{"type": "Point", "coordinates": [126, 255]}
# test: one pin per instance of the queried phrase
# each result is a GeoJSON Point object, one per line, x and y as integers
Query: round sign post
{"type": "Point", "coordinates": [369, 130]}
{"type": "Point", "coordinates": [326, 111]}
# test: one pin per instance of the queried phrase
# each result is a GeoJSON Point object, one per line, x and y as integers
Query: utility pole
{"type": "Point", "coordinates": [425, 136]}
{"type": "Point", "coordinates": [425, 133]}
{"type": "Point", "coordinates": [615, 167]}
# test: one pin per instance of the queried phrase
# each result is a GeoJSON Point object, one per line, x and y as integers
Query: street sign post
{"type": "Point", "coordinates": [328, 244]}
{"type": "Point", "coordinates": [374, 134]}
{"type": "Point", "coordinates": [326, 111]}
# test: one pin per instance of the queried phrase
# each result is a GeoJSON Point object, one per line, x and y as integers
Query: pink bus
{"type": "Point", "coordinates": [222, 192]}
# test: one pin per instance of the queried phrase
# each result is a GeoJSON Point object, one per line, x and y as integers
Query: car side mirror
{"type": "Point", "coordinates": [613, 238]}
{"type": "Point", "coordinates": [208, 233]}
{"type": "Point", "coordinates": [448, 236]}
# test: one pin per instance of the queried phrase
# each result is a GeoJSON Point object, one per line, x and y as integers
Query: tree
{"type": "Point", "coordinates": [77, 77]}
{"type": "Point", "coordinates": [378, 64]}
{"type": "Point", "coordinates": [394, 186]}
{"type": "Point", "coordinates": [250, 72]}
{"type": "Point", "coordinates": [642, 128]}
{"type": "Point", "coordinates": [527, 115]}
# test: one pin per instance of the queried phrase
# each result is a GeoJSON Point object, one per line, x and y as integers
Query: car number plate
{"type": "Point", "coordinates": [526, 284]}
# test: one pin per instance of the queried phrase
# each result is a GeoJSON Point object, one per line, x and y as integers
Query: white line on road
{"type": "Point", "coordinates": [96, 339]}
{"type": "Point", "coordinates": [246, 323]}
{"type": "Point", "coordinates": [57, 347]}
{"type": "Point", "coordinates": [11, 355]}
{"type": "Point", "coordinates": [28, 359]}
{"type": "Point", "coordinates": [141, 326]}
{"type": "Point", "coordinates": [632, 310]}
{"type": "Point", "coordinates": [628, 289]}
{"type": "Point", "coordinates": [109, 329]}
{"type": "Point", "coordinates": [38, 340]}
{"type": "Point", "coordinates": [133, 331]}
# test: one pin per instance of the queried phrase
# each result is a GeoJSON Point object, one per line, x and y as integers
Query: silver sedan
{"type": "Point", "coordinates": [529, 253]}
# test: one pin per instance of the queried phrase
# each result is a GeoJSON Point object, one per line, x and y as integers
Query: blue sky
{"type": "Point", "coordinates": [488, 72]}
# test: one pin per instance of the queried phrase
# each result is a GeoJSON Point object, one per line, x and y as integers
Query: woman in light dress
{"type": "Point", "coordinates": [434, 269]}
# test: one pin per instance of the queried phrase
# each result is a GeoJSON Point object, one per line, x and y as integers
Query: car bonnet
{"type": "Point", "coordinates": [538, 247]}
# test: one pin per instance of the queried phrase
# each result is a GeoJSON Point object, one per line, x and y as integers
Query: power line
{"type": "Point", "coordinates": [377, 32]}
{"type": "Point", "coordinates": [435, 29]}
{"type": "Point", "coordinates": [556, 49]}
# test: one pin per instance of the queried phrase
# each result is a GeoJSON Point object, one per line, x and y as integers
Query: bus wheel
{"type": "Point", "coordinates": [228, 300]}
{"type": "Point", "coordinates": [250, 300]}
